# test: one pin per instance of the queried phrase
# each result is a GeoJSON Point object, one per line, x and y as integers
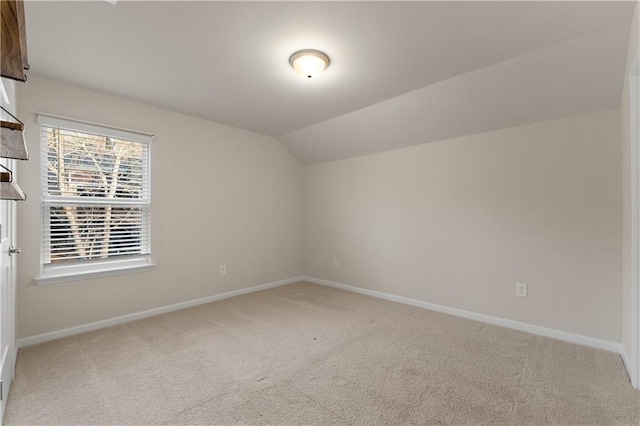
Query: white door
{"type": "Point", "coordinates": [7, 285]}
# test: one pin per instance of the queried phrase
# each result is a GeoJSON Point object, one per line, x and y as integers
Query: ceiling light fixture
{"type": "Point", "coordinates": [309, 63]}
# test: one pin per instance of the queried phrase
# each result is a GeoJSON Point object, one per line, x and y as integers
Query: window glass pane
{"type": "Point", "coordinates": [85, 165]}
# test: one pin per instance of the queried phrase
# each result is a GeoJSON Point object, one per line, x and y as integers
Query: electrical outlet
{"type": "Point", "coordinates": [521, 290]}
{"type": "Point", "coordinates": [336, 262]}
{"type": "Point", "coordinates": [223, 269]}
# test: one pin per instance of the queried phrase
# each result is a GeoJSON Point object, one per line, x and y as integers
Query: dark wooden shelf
{"type": "Point", "coordinates": [14, 40]}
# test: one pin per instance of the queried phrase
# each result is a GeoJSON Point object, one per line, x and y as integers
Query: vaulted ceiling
{"type": "Point", "coordinates": [401, 73]}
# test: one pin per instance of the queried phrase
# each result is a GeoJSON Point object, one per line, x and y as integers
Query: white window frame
{"type": "Point", "coordinates": [65, 272]}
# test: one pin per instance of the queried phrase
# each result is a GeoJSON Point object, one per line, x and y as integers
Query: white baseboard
{"type": "Point", "coordinates": [58, 334]}
{"type": "Point", "coordinates": [630, 370]}
{"type": "Point", "coordinates": [15, 360]}
{"type": "Point", "coordinates": [627, 364]}
{"type": "Point", "coordinates": [529, 328]}
{"type": "Point", "coordinates": [534, 329]}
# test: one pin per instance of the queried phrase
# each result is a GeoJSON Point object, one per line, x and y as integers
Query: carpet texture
{"type": "Point", "coordinates": [308, 354]}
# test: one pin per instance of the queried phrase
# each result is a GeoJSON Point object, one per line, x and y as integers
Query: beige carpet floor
{"type": "Point", "coordinates": [307, 354]}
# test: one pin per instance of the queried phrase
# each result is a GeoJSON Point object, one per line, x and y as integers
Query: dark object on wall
{"type": "Point", "coordinates": [9, 190]}
{"type": "Point", "coordinates": [14, 40]}
{"type": "Point", "coordinates": [12, 143]}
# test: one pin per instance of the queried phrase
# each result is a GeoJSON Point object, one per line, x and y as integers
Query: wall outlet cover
{"type": "Point", "coordinates": [522, 290]}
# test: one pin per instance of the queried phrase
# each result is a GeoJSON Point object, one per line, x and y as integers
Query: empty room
{"type": "Point", "coordinates": [320, 213]}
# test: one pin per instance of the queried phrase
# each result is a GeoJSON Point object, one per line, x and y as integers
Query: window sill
{"type": "Point", "coordinates": [59, 277]}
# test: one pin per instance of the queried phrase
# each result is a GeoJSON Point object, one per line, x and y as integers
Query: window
{"type": "Point", "coordinates": [96, 200]}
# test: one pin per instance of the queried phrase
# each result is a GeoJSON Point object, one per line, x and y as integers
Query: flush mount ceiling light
{"type": "Point", "coordinates": [309, 63]}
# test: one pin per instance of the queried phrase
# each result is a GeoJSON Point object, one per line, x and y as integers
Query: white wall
{"type": "Point", "coordinates": [455, 222]}
{"type": "Point", "coordinates": [220, 196]}
{"type": "Point", "coordinates": [460, 221]}
{"type": "Point", "coordinates": [633, 50]}
{"type": "Point", "coordinates": [10, 90]}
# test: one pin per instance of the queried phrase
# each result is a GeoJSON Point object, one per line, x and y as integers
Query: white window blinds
{"type": "Point", "coordinates": [96, 195]}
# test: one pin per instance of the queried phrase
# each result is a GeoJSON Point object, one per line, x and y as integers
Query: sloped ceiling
{"type": "Point", "coordinates": [402, 73]}
{"type": "Point", "coordinates": [579, 76]}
